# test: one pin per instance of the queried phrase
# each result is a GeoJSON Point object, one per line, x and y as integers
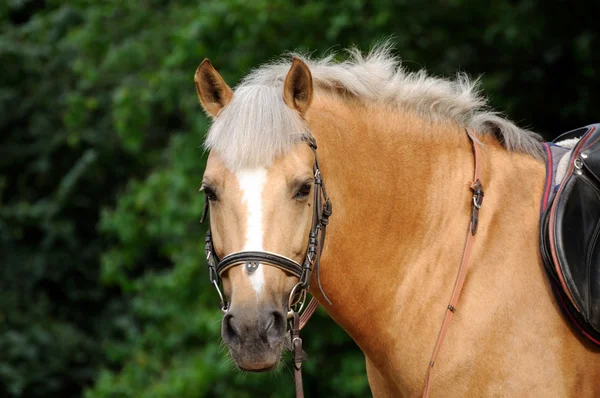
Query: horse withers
{"type": "Point", "coordinates": [399, 170]}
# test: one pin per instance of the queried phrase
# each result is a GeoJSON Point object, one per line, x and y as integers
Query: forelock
{"type": "Point", "coordinates": [255, 127]}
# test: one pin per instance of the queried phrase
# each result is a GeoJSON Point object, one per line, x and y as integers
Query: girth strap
{"type": "Point", "coordinates": [464, 264]}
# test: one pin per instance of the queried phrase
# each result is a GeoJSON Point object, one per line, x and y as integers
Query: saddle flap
{"type": "Point", "coordinates": [574, 229]}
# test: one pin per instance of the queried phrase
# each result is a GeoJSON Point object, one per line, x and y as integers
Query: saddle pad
{"type": "Point", "coordinates": [570, 230]}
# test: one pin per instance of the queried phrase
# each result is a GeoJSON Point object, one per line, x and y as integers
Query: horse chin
{"type": "Point", "coordinates": [262, 370]}
{"type": "Point", "coordinates": [255, 362]}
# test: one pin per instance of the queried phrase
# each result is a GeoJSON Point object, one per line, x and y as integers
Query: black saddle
{"type": "Point", "coordinates": [570, 228]}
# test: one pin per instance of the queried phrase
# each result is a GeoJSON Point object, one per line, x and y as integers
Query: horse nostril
{"type": "Point", "coordinates": [275, 324]}
{"type": "Point", "coordinates": [229, 330]}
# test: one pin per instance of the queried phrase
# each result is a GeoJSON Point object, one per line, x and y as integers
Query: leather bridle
{"type": "Point", "coordinates": [322, 210]}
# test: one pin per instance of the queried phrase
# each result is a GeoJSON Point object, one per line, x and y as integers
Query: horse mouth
{"type": "Point", "coordinates": [260, 370]}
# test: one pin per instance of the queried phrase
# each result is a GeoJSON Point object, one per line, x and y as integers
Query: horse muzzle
{"type": "Point", "coordinates": [255, 338]}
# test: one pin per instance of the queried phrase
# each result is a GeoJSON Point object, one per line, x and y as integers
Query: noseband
{"type": "Point", "coordinates": [312, 260]}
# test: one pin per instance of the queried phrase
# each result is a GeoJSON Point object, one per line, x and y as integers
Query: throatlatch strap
{"type": "Point", "coordinates": [464, 264]}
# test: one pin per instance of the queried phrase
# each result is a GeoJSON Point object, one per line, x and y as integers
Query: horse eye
{"type": "Point", "coordinates": [303, 191]}
{"type": "Point", "coordinates": [210, 194]}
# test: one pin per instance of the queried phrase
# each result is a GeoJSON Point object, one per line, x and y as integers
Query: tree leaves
{"type": "Point", "coordinates": [101, 158]}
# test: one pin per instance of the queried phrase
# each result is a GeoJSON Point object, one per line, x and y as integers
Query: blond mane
{"type": "Point", "coordinates": [256, 126]}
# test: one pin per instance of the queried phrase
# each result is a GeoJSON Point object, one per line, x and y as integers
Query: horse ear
{"type": "Point", "coordinates": [213, 92]}
{"type": "Point", "coordinates": [298, 87]}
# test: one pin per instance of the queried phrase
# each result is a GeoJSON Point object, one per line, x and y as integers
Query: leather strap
{"type": "Point", "coordinates": [308, 312]}
{"type": "Point", "coordinates": [314, 304]}
{"type": "Point", "coordinates": [276, 260]}
{"type": "Point", "coordinates": [297, 356]}
{"type": "Point", "coordinates": [464, 264]}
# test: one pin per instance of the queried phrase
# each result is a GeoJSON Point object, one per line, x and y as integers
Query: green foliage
{"type": "Point", "coordinates": [53, 311]}
{"type": "Point", "coordinates": [102, 263]}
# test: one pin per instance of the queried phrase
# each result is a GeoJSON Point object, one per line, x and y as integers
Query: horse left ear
{"type": "Point", "coordinates": [298, 87]}
{"type": "Point", "coordinates": [212, 90]}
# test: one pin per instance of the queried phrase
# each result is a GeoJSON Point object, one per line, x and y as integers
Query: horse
{"type": "Point", "coordinates": [397, 151]}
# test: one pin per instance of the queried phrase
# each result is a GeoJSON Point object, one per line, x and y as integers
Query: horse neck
{"type": "Point", "coordinates": [399, 187]}
{"type": "Point", "coordinates": [401, 199]}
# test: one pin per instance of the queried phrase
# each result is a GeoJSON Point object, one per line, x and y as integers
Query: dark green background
{"type": "Point", "coordinates": [103, 290]}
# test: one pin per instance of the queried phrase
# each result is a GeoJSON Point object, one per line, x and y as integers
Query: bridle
{"type": "Point", "coordinates": [322, 210]}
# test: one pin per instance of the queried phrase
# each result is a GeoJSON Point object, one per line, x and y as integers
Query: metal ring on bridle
{"type": "Point", "coordinates": [223, 305]}
{"type": "Point", "coordinates": [301, 299]}
{"type": "Point", "coordinates": [296, 340]}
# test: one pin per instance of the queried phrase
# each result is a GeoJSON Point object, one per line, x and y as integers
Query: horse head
{"type": "Point", "coordinates": [261, 207]}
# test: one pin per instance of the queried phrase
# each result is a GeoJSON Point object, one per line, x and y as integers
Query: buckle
{"type": "Point", "coordinates": [477, 202]}
{"type": "Point", "coordinates": [477, 194]}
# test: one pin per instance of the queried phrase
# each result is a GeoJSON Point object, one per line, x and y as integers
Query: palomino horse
{"type": "Point", "coordinates": [398, 165]}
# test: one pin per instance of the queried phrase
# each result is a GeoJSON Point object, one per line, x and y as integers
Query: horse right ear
{"type": "Point", "coordinates": [298, 87]}
{"type": "Point", "coordinates": [212, 90]}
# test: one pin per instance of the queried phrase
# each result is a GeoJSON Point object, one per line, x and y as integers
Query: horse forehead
{"type": "Point", "coordinates": [217, 173]}
{"type": "Point", "coordinates": [297, 161]}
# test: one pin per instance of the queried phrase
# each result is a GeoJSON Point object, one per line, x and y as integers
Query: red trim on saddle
{"type": "Point", "coordinates": [574, 321]}
{"type": "Point", "coordinates": [549, 182]}
{"type": "Point", "coordinates": [589, 134]}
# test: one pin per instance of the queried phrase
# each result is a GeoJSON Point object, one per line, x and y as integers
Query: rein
{"type": "Point", "coordinates": [464, 264]}
{"type": "Point", "coordinates": [322, 210]}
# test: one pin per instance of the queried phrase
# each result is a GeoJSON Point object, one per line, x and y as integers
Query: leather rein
{"type": "Point", "coordinates": [322, 210]}
{"type": "Point", "coordinates": [464, 264]}
{"type": "Point", "coordinates": [321, 213]}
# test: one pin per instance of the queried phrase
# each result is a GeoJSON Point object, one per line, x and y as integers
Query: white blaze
{"type": "Point", "coordinates": [252, 182]}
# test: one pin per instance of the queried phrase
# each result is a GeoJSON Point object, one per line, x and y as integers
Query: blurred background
{"type": "Point", "coordinates": [103, 287]}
